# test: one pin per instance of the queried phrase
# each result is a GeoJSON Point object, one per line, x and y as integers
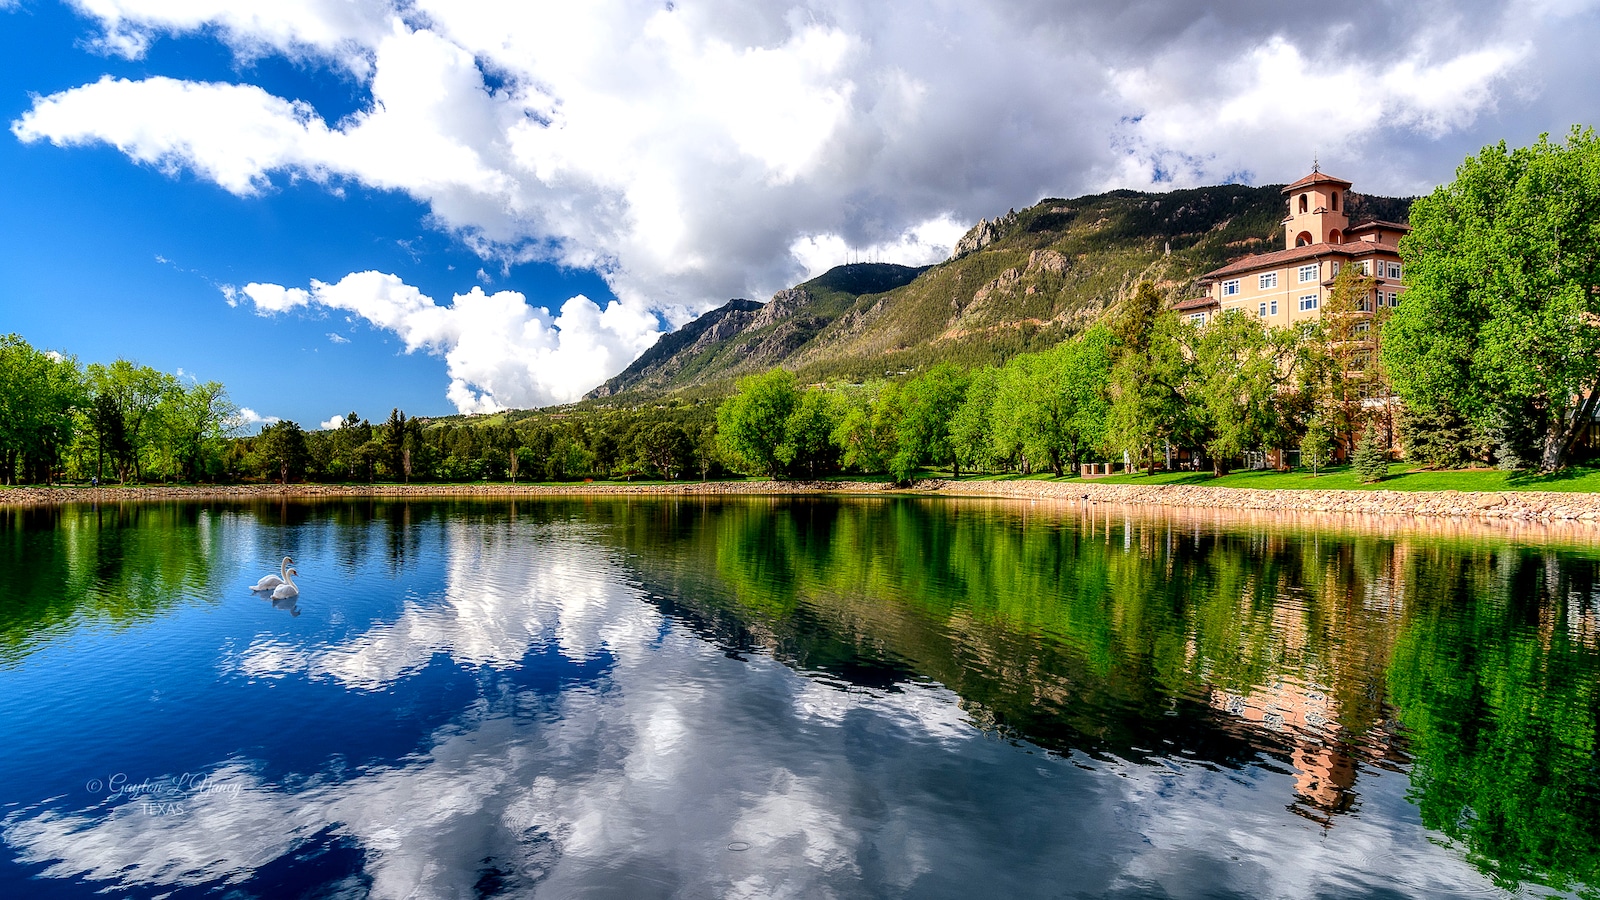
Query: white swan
{"type": "Point", "coordinates": [287, 589]}
{"type": "Point", "coordinates": [268, 582]}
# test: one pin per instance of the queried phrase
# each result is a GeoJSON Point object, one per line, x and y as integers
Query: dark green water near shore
{"type": "Point", "coordinates": [791, 697]}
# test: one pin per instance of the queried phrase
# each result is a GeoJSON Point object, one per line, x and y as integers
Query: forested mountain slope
{"type": "Point", "coordinates": [1021, 282]}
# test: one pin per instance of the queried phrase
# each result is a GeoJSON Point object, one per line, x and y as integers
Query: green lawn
{"type": "Point", "coordinates": [1401, 478]}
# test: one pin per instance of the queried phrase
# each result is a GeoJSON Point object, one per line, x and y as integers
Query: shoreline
{"type": "Point", "coordinates": [1527, 505]}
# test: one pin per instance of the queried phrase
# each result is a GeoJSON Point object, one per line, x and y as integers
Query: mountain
{"type": "Point", "coordinates": [743, 336]}
{"type": "Point", "coordinates": [1017, 283]}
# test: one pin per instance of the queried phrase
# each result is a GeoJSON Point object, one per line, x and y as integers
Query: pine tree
{"type": "Point", "coordinates": [1371, 459]}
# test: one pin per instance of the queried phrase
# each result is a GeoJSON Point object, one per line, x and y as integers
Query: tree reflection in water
{"type": "Point", "coordinates": [1469, 659]}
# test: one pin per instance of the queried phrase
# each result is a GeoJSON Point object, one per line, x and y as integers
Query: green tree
{"type": "Point", "coordinates": [665, 447]}
{"type": "Point", "coordinates": [104, 417]}
{"type": "Point", "coordinates": [752, 424]}
{"type": "Point", "coordinates": [971, 427]}
{"type": "Point", "coordinates": [807, 445]}
{"type": "Point", "coordinates": [1340, 370]}
{"type": "Point", "coordinates": [1149, 376]}
{"type": "Point", "coordinates": [1371, 459]}
{"type": "Point", "coordinates": [930, 402]}
{"type": "Point", "coordinates": [282, 449]}
{"type": "Point", "coordinates": [1316, 445]}
{"type": "Point", "coordinates": [867, 427]}
{"type": "Point", "coordinates": [135, 391]}
{"type": "Point", "coordinates": [704, 449]}
{"type": "Point", "coordinates": [1438, 436]}
{"type": "Point", "coordinates": [1244, 371]}
{"type": "Point", "coordinates": [1503, 276]}
{"type": "Point", "coordinates": [1052, 406]}
{"type": "Point", "coordinates": [394, 442]}
{"type": "Point", "coordinates": [40, 394]}
{"type": "Point", "coordinates": [352, 432]}
{"type": "Point", "coordinates": [194, 420]}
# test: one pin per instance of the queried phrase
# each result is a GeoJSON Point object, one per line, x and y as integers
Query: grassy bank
{"type": "Point", "coordinates": [1401, 478]}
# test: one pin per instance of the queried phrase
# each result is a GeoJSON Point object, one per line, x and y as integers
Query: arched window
{"type": "Point", "coordinates": [1305, 205]}
{"type": "Point", "coordinates": [1335, 201]}
{"type": "Point", "coordinates": [1334, 237]}
{"type": "Point", "coordinates": [1302, 239]}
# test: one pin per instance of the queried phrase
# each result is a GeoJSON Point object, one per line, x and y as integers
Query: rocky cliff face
{"type": "Point", "coordinates": [661, 362]}
{"type": "Point", "coordinates": [983, 234]}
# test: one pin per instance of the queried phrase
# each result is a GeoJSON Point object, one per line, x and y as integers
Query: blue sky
{"type": "Point", "coordinates": [467, 205]}
{"type": "Point", "coordinates": [108, 259]}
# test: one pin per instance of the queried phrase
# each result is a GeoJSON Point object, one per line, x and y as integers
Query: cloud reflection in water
{"type": "Point", "coordinates": [638, 783]}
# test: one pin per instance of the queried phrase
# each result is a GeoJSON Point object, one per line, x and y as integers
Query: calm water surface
{"type": "Point", "coordinates": [790, 698]}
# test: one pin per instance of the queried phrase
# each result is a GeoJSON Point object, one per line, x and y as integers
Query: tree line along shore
{"type": "Point", "coordinates": [1492, 360]}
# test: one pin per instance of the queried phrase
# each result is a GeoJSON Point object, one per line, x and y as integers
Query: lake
{"type": "Point", "coordinates": [792, 697]}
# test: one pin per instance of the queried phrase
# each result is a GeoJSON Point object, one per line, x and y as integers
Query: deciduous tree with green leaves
{"type": "Point", "coordinates": [1245, 371]}
{"type": "Point", "coordinates": [930, 402]}
{"type": "Point", "coordinates": [136, 392]}
{"type": "Point", "coordinates": [1053, 404]}
{"type": "Point", "coordinates": [1502, 308]}
{"type": "Point", "coordinates": [807, 447]}
{"type": "Point", "coordinates": [1148, 379]}
{"type": "Point", "coordinates": [753, 423]}
{"type": "Point", "coordinates": [971, 428]}
{"type": "Point", "coordinates": [40, 393]}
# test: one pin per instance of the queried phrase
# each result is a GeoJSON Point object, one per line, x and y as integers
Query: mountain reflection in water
{"type": "Point", "coordinates": [859, 697]}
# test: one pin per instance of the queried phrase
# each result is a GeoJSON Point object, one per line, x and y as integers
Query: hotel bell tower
{"type": "Point", "coordinates": [1316, 210]}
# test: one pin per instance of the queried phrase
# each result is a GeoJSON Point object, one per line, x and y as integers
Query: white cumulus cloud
{"type": "Point", "coordinates": [703, 149]}
{"type": "Point", "coordinates": [337, 28]}
{"type": "Point", "coordinates": [248, 418]}
{"type": "Point", "coordinates": [500, 351]}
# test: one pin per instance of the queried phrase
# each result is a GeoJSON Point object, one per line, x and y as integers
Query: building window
{"type": "Point", "coordinates": [1335, 201]}
{"type": "Point", "coordinates": [1366, 267]}
{"type": "Point", "coordinates": [1274, 307]}
{"type": "Point", "coordinates": [1263, 311]}
{"type": "Point", "coordinates": [1309, 273]}
{"type": "Point", "coordinates": [1308, 302]}
{"type": "Point", "coordinates": [1305, 205]}
{"type": "Point", "coordinates": [1198, 318]}
{"type": "Point", "coordinates": [1336, 267]}
{"type": "Point", "coordinates": [1267, 281]}
{"type": "Point", "coordinates": [1363, 327]}
{"type": "Point", "coordinates": [1230, 288]}
{"type": "Point", "coordinates": [1394, 271]}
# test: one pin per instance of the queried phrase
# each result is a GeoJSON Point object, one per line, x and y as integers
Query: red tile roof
{"type": "Point", "coordinates": [1296, 254]}
{"type": "Point", "coordinates": [1377, 223]}
{"type": "Point", "coordinates": [1315, 178]}
{"type": "Point", "coordinates": [1196, 303]}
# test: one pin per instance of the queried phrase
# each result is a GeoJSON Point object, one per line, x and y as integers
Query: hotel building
{"type": "Point", "coordinates": [1293, 284]}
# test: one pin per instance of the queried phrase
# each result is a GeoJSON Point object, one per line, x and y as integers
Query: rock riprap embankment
{"type": "Point", "coordinates": [1495, 505]}
{"type": "Point", "coordinates": [1498, 505]}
